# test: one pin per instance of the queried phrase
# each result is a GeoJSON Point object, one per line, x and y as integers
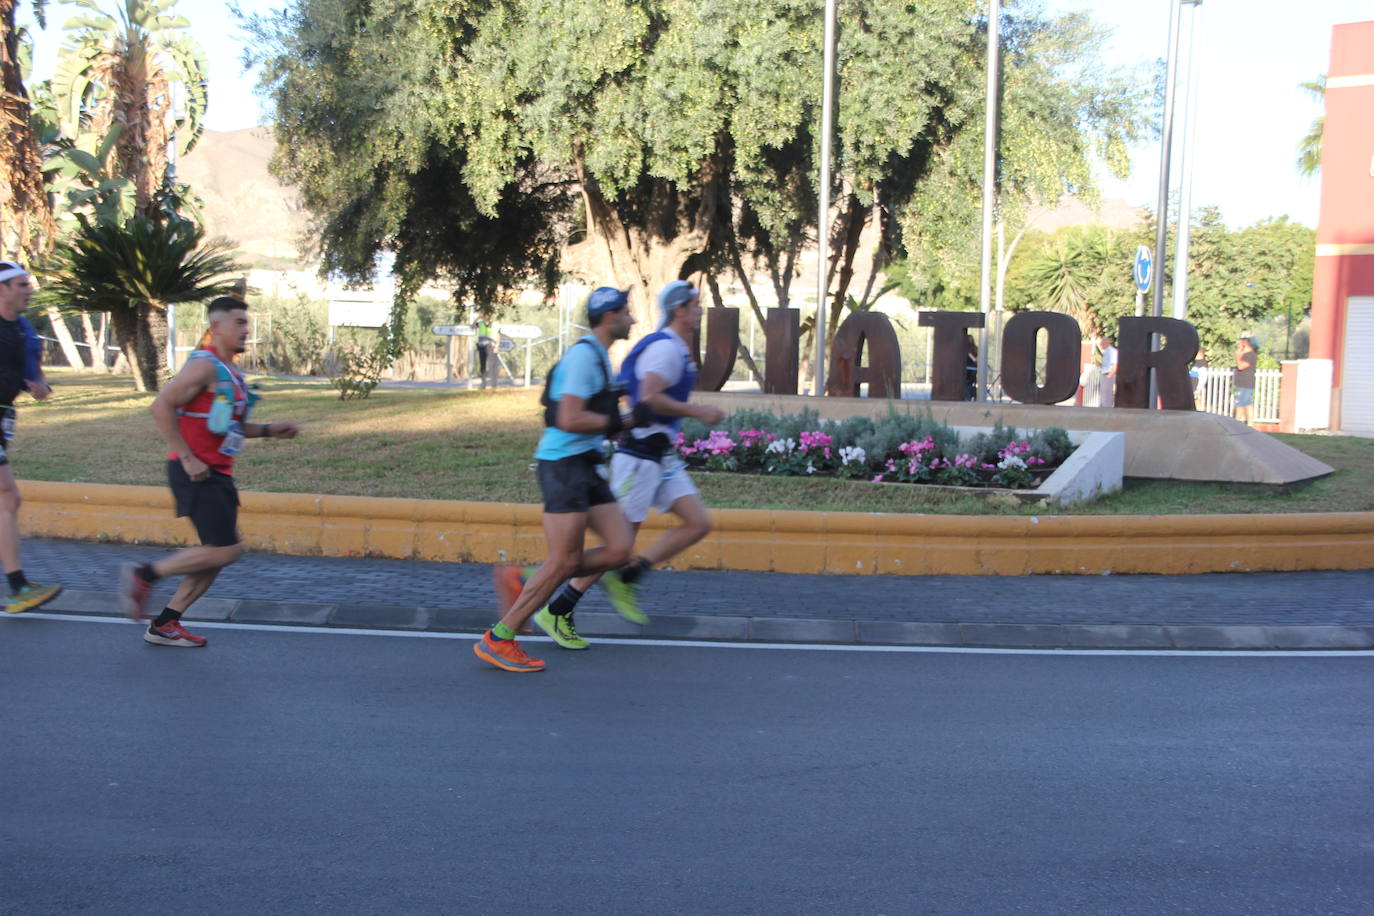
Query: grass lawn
{"type": "Point", "coordinates": [477, 445]}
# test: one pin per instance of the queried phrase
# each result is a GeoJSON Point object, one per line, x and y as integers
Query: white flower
{"type": "Point", "coordinates": [852, 455]}
{"type": "Point", "coordinates": [1011, 461]}
{"type": "Point", "coordinates": [782, 446]}
{"type": "Point", "coordinates": [810, 468]}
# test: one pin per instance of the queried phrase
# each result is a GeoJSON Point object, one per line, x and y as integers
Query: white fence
{"type": "Point", "coordinates": [1216, 393]}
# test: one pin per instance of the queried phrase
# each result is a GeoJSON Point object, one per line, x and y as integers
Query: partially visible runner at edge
{"type": "Point", "coordinates": [646, 470]}
{"type": "Point", "coordinates": [202, 414]}
{"type": "Point", "coordinates": [582, 410]}
{"type": "Point", "coordinates": [20, 371]}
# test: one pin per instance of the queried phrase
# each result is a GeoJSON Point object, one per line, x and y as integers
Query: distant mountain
{"type": "Point", "coordinates": [242, 201]}
{"type": "Point", "coordinates": [1112, 213]}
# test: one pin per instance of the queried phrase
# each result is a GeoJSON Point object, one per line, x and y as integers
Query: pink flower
{"type": "Point", "coordinates": [878, 479]}
{"type": "Point", "coordinates": [814, 440]}
{"type": "Point", "coordinates": [718, 443]}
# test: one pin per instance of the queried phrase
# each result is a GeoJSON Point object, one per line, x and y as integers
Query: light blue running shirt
{"type": "Point", "coordinates": [582, 372]}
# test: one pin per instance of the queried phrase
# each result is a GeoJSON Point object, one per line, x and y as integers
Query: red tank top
{"type": "Point", "coordinates": [205, 444]}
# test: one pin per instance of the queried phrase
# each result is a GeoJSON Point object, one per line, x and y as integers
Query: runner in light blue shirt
{"type": "Point", "coordinates": [581, 409]}
{"type": "Point", "coordinates": [583, 371]}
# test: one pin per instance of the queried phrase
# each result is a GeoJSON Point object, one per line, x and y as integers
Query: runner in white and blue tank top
{"type": "Point", "coordinates": [646, 471]}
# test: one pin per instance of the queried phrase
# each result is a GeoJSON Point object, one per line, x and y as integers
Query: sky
{"type": "Point", "coordinates": [1251, 54]}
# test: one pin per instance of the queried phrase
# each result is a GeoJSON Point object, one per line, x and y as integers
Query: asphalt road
{"type": "Point", "coordinates": [316, 771]}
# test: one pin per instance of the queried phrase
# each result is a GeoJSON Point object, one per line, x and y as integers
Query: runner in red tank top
{"type": "Point", "coordinates": [191, 418]}
{"type": "Point", "coordinates": [202, 413]}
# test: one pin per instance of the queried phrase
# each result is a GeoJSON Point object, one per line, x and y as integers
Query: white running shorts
{"type": "Point", "coordinates": [639, 484]}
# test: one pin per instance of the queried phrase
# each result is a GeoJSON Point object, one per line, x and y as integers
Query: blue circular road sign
{"type": "Point", "coordinates": [1144, 264]}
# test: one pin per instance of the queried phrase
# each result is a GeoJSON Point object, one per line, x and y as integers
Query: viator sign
{"type": "Point", "coordinates": [866, 351]}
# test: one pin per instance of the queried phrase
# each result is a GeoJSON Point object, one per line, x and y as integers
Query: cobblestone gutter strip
{"type": "Point", "coordinates": [757, 540]}
{"type": "Point", "coordinates": [762, 629]}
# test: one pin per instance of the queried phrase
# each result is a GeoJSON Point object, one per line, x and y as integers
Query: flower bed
{"type": "Point", "coordinates": [897, 448]}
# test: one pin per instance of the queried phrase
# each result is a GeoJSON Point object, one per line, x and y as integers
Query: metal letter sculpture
{"type": "Point", "coordinates": [947, 375]}
{"type": "Point", "coordinates": [722, 346]}
{"type": "Point", "coordinates": [782, 334]}
{"type": "Point", "coordinates": [1170, 363]}
{"type": "Point", "coordinates": [1062, 359]}
{"type": "Point", "coordinates": [873, 332]}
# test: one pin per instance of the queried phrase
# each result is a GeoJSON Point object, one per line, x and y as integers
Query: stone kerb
{"type": "Point", "coordinates": [759, 540]}
{"type": "Point", "coordinates": [1159, 444]}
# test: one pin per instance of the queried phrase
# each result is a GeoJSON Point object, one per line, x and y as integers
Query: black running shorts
{"type": "Point", "coordinates": [212, 504]}
{"type": "Point", "coordinates": [573, 484]}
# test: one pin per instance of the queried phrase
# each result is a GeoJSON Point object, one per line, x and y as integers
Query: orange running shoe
{"type": "Point", "coordinates": [509, 582]}
{"type": "Point", "coordinates": [505, 654]}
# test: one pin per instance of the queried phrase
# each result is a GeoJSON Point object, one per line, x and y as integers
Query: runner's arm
{"type": "Point", "coordinates": [34, 380]}
{"type": "Point", "coordinates": [281, 429]}
{"type": "Point", "coordinates": [651, 392]}
{"type": "Point", "coordinates": [574, 417]}
{"type": "Point", "coordinates": [196, 376]}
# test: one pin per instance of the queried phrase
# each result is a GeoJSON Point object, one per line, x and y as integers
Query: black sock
{"type": "Point", "coordinates": [565, 600]}
{"type": "Point", "coordinates": [636, 569]}
{"type": "Point", "coordinates": [167, 616]}
{"type": "Point", "coordinates": [17, 580]}
{"type": "Point", "coordinates": [145, 572]}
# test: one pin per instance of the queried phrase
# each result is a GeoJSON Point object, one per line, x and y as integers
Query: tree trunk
{"type": "Point", "coordinates": [151, 345]}
{"type": "Point", "coordinates": [95, 350]}
{"type": "Point", "coordinates": [64, 339]}
{"type": "Point", "coordinates": [102, 342]}
{"type": "Point", "coordinates": [26, 225]}
{"type": "Point", "coordinates": [671, 227]}
{"type": "Point", "coordinates": [125, 324]}
{"type": "Point", "coordinates": [855, 217]}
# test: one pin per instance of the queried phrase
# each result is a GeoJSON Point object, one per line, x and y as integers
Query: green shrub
{"type": "Point", "coordinates": [1051, 445]}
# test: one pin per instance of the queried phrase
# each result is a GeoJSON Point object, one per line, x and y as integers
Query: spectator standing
{"type": "Point", "coordinates": [1107, 382]}
{"type": "Point", "coordinates": [486, 346]}
{"type": "Point", "coordinates": [1246, 358]}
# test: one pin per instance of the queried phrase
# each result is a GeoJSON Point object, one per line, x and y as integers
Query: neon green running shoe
{"type": "Point", "coordinates": [624, 597]}
{"type": "Point", "coordinates": [560, 628]}
{"type": "Point", "coordinates": [30, 597]}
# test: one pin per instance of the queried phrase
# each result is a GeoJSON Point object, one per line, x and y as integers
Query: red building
{"type": "Point", "coordinates": [1343, 289]}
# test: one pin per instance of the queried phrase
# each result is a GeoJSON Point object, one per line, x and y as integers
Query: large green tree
{"type": "Point", "coordinates": [685, 129]}
{"type": "Point", "coordinates": [367, 126]}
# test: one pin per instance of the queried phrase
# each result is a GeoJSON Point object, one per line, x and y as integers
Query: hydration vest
{"type": "Point", "coordinates": [605, 402]}
{"type": "Point", "coordinates": [227, 405]}
{"type": "Point", "coordinates": [680, 390]}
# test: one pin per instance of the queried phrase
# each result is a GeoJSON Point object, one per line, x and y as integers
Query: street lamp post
{"type": "Point", "coordinates": [1165, 151]}
{"type": "Point", "coordinates": [989, 188]}
{"type": "Point", "coordinates": [823, 210]}
{"type": "Point", "coordinates": [1185, 193]}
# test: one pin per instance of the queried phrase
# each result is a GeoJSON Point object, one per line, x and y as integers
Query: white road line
{"type": "Point", "coordinates": [710, 644]}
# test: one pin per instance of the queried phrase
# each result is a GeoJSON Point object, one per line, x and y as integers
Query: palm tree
{"type": "Point", "coordinates": [137, 68]}
{"type": "Point", "coordinates": [26, 223]}
{"type": "Point", "coordinates": [136, 270]}
{"type": "Point", "coordinates": [1310, 147]}
{"type": "Point", "coordinates": [1064, 275]}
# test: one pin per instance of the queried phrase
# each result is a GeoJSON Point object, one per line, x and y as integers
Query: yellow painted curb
{"type": "Point", "coordinates": [745, 539]}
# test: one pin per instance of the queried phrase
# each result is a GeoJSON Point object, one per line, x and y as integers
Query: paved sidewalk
{"type": "Point", "coordinates": [1328, 610]}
